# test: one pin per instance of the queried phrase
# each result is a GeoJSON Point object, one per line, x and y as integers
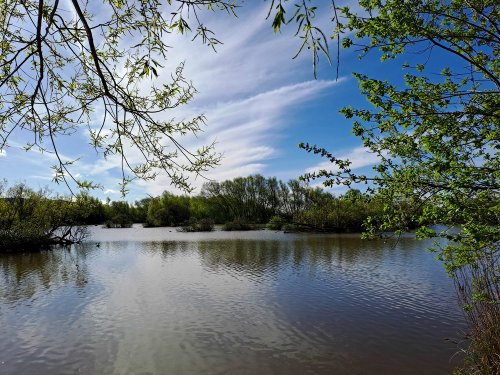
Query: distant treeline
{"type": "Point", "coordinates": [37, 219]}
{"type": "Point", "coordinates": [242, 203]}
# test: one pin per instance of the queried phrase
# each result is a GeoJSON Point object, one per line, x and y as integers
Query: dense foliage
{"type": "Point", "coordinates": [437, 136]}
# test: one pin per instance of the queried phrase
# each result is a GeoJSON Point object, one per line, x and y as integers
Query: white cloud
{"type": "Point", "coordinates": [3, 153]}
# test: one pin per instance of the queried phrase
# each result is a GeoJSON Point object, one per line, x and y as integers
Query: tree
{"type": "Point", "coordinates": [33, 220]}
{"type": "Point", "coordinates": [437, 138]}
{"type": "Point", "coordinates": [60, 67]}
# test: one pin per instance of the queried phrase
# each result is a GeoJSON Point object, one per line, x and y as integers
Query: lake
{"type": "Point", "coordinates": [156, 301]}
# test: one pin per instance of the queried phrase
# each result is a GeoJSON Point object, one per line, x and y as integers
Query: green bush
{"type": "Point", "coordinates": [119, 221]}
{"type": "Point", "coordinates": [238, 224]}
{"type": "Point", "coordinates": [201, 225]}
{"type": "Point", "coordinates": [276, 223]}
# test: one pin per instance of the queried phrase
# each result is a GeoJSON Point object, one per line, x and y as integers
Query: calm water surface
{"type": "Point", "coordinates": [154, 301]}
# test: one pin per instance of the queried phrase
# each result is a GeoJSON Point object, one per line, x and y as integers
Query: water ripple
{"type": "Point", "coordinates": [219, 304]}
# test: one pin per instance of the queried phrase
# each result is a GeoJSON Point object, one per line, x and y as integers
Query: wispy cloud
{"type": "Point", "coordinates": [247, 130]}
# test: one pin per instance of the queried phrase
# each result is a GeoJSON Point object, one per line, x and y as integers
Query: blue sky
{"type": "Point", "coordinates": [259, 103]}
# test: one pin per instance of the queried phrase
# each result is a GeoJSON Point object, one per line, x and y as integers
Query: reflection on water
{"type": "Point", "coordinates": [27, 275]}
{"type": "Point", "coordinates": [139, 301]}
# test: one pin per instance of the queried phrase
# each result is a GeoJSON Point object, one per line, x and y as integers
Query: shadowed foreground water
{"type": "Point", "coordinates": [154, 301]}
